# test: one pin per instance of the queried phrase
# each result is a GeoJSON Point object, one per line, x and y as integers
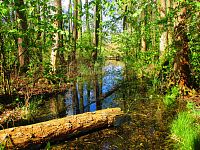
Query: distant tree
{"type": "Point", "coordinates": [23, 52]}
{"type": "Point", "coordinates": [97, 28]}
{"type": "Point", "coordinates": [56, 37]}
{"type": "Point", "coordinates": [75, 30]}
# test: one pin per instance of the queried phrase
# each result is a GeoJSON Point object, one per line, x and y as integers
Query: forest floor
{"type": "Point", "coordinates": [148, 129]}
{"type": "Point", "coordinates": [25, 88]}
{"type": "Point", "coordinates": [12, 107]}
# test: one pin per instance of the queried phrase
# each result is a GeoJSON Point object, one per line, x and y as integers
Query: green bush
{"type": "Point", "coordinates": [170, 97]}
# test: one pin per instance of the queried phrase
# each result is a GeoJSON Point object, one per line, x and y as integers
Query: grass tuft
{"type": "Point", "coordinates": [184, 131]}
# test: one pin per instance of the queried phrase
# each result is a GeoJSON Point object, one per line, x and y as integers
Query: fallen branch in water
{"type": "Point", "coordinates": [105, 95]}
{"type": "Point", "coordinates": [53, 130]}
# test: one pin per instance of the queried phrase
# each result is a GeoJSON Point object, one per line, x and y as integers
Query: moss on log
{"type": "Point", "coordinates": [24, 136]}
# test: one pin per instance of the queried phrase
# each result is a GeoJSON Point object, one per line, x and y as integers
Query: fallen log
{"type": "Point", "coordinates": [26, 136]}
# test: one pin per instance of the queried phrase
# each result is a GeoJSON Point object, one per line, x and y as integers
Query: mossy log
{"type": "Point", "coordinates": [26, 136]}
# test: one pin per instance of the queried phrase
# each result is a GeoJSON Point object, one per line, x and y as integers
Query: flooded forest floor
{"type": "Point", "coordinates": [148, 128]}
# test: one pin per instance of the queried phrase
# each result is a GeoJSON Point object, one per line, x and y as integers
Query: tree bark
{"type": "Point", "coordinates": [96, 32]}
{"type": "Point", "coordinates": [57, 24]}
{"type": "Point", "coordinates": [143, 31]}
{"type": "Point", "coordinates": [75, 30]}
{"type": "Point", "coordinates": [182, 70]}
{"type": "Point", "coordinates": [125, 19]}
{"type": "Point", "coordinates": [87, 22]}
{"type": "Point", "coordinates": [57, 129]}
{"type": "Point", "coordinates": [162, 8]}
{"type": "Point", "coordinates": [22, 41]}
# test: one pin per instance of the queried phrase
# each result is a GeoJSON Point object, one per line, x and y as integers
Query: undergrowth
{"type": "Point", "coordinates": [184, 131]}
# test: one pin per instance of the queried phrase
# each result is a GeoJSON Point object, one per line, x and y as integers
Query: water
{"type": "Point", "coordinates": [147, 129]}
{"type": "Point", "coordinates": [112, 75]}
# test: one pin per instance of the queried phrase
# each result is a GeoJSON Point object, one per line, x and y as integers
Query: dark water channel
{"type": "Point", "coordinates": [147, 129]}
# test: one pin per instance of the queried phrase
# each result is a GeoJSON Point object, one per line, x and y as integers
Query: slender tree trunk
{"type": "Point", "coordinates": [80, 19]}
{"type": "Point", "coordinates": [164, 35]}
{"type": "Point", "coordinates": [70, 21]}
{"type": "Point", "coordinates": [125, 19]}
{"type": "Point", "coordinates": [143, 31]}
{"type": "Point", "coordinates": [22, 41]}
{"type": "Point", "coordinates": [39, 37]}
{"type": "Point", "coordinates": [61, 43]}
{"type": "Point", "coordinates": [154, 28]}
{"type": "Point", "coordinates": [56, 38]}
{"type": "Point", "coordinates": [69, 34]}
{"type": "Point", "coordinates": [87, 22]}
{"type": "Point", "coordinates": [75, 30]}
{"type": "Point", "coordinates": [96, 32]}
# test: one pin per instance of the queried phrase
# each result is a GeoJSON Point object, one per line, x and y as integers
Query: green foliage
{"type": "Point", "coordinates": [48, 146]}
{"type": "Point", "coordinates": [2, 147]}
{"type": "Point", "coordinates": [190, 106]}
{"type": "Point", "coordinates": [170, 97]}
{"type": "Point", "coordinates": [184, 131]}
{"type": "Point", "coordinates": [194, 41]}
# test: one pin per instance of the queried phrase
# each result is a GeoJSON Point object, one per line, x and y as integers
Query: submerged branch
{"type": "Point", "coordinates": [105, 95]}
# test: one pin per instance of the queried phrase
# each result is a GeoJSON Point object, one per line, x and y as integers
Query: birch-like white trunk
{"type": "Point", "coordinates": [55, 46]}
{"type": "Point", "coordinates": [164, 35]}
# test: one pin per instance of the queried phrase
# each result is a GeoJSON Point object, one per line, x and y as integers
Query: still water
{"type": "Point", "coordinates": [147, 128]}
{"type": "Point", "coordinates": [112, 74]}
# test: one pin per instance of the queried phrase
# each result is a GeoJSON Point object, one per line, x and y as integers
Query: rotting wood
{"type": "Point", "coordinates": [25, 136]}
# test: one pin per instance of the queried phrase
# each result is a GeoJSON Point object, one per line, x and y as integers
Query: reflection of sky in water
{"type": "Point", "coordinates": [112, 74]}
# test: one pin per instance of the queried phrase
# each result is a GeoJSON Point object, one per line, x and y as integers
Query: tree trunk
{"type": "Point", "coordinates": [22, 41]}
{"type": "Point", "coordinates": [80, 19]}
{"type": "Point", "coordinates": [96, 32]}
{"type": "Point", "coordinates": [57, 25]}
{"type": "Point", "coordinates": [143, 31]}
{"type": "Point", "coordinates": [75, 30]}
{"type": "Point", "coordinates": [39, 36]}
{"type": "Point", "coordinates": [58, 129]}
{"type": "Point", "coordinates": [181, 62]}
{"type": "Point", "coordinates": [125, 19]}
{"type": "Point", "coordinates": [162, 8]}
{"type": "Point", "coordinates": [87, 22]}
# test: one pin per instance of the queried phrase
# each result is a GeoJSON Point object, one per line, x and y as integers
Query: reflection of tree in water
{"type": "Point", "coordinates": [57, 106]}
{"type": "Point", "coordinates": [85, 95]}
